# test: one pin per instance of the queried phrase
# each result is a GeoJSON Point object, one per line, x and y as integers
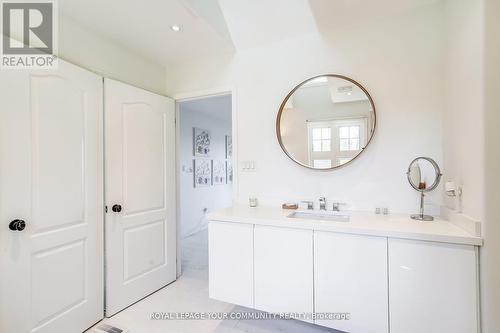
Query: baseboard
{"type": "Point", "coordinates": [462, 221]}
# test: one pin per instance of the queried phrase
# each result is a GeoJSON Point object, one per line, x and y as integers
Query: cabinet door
{"type": "Point", "coordinates": [283, 269]}
{"type": "Point", "coordinates": [350, 276]}
{"type": "Point", "coordinates": [433, 287]}
{"type": "Point", "coordinates": [230, 255]}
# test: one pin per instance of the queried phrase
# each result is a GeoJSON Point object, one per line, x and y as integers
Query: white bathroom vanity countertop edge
{"type": "Point", "coordinates": [362, 223]}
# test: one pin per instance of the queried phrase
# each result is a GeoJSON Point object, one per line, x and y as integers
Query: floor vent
{"type": "Point", "coordinates": [104, 328]}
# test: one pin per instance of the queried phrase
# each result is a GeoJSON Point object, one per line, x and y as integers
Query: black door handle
{"type": "Point", "coordinates": [17, 225]}
{"type": "Point", "coordinates": [116, 208]}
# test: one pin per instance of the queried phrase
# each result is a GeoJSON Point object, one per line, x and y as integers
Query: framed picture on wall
{"type": "Point", "coordinates": [201, 142]}
{"type": "Point", "coordinates": [229, 146]}
{"type": "Point", "coordinates": [202, 172]}
{"type": "Point", "coordinates": [229, 172]}
{"type": "Point", "coordinates": [218, 172]}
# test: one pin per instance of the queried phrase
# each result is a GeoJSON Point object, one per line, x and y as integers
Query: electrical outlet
{"type": "Point", "coordinates": [187, 168]}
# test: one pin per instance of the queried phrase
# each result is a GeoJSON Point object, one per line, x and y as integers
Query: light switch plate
{"type": "Point", "coordinates": [248, 166]}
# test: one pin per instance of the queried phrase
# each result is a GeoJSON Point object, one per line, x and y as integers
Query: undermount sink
{"type": "Point", "coordinates": [321, 216]}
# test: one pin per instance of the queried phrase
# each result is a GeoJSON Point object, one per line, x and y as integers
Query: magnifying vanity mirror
{"type": "Point", "coordinates": [424, 176]}
{"type": "Point", "coordinates": [326, 122]}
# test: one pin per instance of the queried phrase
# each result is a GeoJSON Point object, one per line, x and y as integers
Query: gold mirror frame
{"type": "Point", "coordinates": [282, 107]}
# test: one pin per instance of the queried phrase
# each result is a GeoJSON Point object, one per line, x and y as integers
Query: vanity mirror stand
{"type": "Point", "coordinates": [424, 176]}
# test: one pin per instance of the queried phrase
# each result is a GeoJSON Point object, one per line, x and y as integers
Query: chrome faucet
{"type": "Point", "coordinates": [336, 206]}
{"type": "Point", "coordinates": [310, 205]}
{"type": "Point", "coordinates": [322, 203]}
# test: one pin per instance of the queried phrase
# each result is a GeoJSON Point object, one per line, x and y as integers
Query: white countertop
{"type": "Point", "coordinates": [362, 223]}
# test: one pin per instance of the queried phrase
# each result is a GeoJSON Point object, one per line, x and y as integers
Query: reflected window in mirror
{"type": "Point", "coordinates": [337, 141]}
{"type": "Point", "coordinates": [321, 139]}
{"type": "Point", "coordinates": [343, 160]}
{"type": "Point", "coordinates": [322, 164]}
{"type": "Point", "coordinates": [326, 122]}
{"type": "Point", "coordinates": [349, 138]}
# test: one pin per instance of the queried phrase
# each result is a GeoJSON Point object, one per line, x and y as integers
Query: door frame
{"type": "Point", "coordinates": [189, 96]}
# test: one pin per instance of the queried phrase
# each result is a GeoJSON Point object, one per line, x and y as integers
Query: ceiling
{"type": "Point", "coordinates": [144, 26]}
{"type": "Point", "coordinates": [255, 22]}
{"type": "Point", "coordinates": [333, 14]}
{"type": "Point", "coordinates": [217, 27]}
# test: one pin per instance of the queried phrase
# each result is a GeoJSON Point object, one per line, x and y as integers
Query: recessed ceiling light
{"type": "Point", "coordinates": [345, 89]}
{"type": "Point", "coordinates": [175, 28]}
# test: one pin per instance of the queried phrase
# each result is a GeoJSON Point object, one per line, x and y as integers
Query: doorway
{"type": "Point", "coordinates": [205, 175]}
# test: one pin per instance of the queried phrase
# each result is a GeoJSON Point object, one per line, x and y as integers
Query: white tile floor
{"type": "Point", "coordinates": [190, 294]}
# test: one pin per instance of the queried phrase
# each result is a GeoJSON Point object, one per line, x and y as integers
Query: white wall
{"type": "Point", "coordinates": [399, 61]}
{"type": "Point", "coordinates": [464, 116]}
{"type": "Point", "coordinates": [87, 49]}
{"type": "Point", "coordinates": [472, 119]}
{"type": "Point", "coordinates": [193, 201]}
{"type": "Point", "coordinates": [490, 252]}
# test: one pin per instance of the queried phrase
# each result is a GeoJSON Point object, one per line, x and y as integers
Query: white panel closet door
{"type": "Point", "coordinates": [51, 176]}
{"type": "Point", "coordinates": [140, 194]}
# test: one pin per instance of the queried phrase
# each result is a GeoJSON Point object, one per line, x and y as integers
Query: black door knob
{"type": "Point", "coordinates": [17, 225]}
{"type": "Point", "coordinates": [116, 208]}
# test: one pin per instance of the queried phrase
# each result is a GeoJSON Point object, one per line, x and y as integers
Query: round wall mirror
{"type": "Point", "coordinates": [424, 176]}
{"type": "Point", "coordinates": [326, 122]}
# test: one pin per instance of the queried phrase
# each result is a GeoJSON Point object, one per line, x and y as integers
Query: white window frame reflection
{"type": "Point", "coordinates": [321, 139]}
{"type": "Point", "coordinates": [351, 138]}
{"type": "Point", "coordinates": [343, 160]}
{"type": "Point", "coordinates": [322, 164]}
{"type": "Point", "coordinates": [337, 156]}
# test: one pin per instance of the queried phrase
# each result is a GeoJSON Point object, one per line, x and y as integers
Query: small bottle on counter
{"type": "Point", "coordinates": [252, 201]}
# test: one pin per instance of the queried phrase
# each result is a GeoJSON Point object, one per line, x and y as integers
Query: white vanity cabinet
{"type": "Point", "coordinates": [350, 276]}
{"type": "Point", "coordinates": [390, 274]}
{"type": "Point", "coordinates": [230, 255]}
{"type": "Point", "coordinates": [432, 287]}
{"type": "Point", "coordinates": [283, 269]}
